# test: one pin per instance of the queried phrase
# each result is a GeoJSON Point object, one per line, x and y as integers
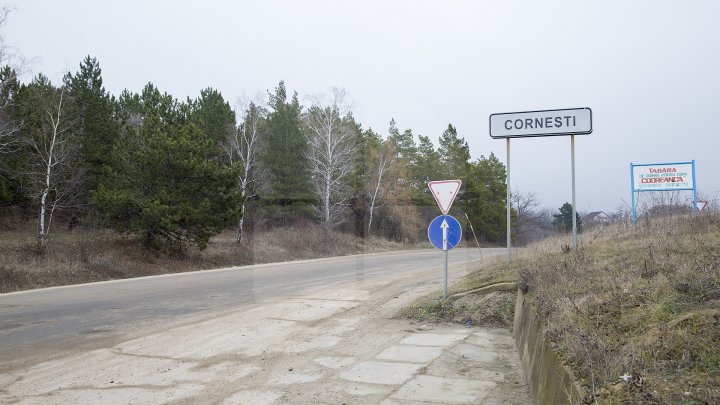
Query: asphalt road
{"type": "Point", "coordinates": [44, 322]}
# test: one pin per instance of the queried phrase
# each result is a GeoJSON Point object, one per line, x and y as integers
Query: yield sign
{"type": "Point", "coordinates": [444, 192]}
{"type": "Point", "coordinates": [700, 205]}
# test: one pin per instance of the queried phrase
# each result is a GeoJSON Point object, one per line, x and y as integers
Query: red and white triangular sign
{"type": "Point", "coordinates": [700, 205]}
{"type": "Point", "coordinates": [445, 192]}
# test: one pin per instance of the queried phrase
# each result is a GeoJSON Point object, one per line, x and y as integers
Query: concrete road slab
{"type": "Point", "coordinates": [474, 353]}
{"type": "Point", "coordinates": [433, 339]}
{"type": "Point", "coordinates": [380, 372]}
{"type": "Point", "coordinates": [410, 354]}
{"type": "Point", "coordinates": [446, 390]}
{"type": "Point", "coordinates": [255, 397]}
{"type": "Point", "coordinates": [334, 362]}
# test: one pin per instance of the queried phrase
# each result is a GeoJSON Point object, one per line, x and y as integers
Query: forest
{"type": "Point", "coordinates": [175, 172]}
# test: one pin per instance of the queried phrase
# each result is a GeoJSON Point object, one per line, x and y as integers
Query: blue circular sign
{"type": "Point", "coordinates": [444, 232]}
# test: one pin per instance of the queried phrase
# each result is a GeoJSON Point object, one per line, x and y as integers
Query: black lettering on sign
{"type": "Point", "coordinates": [528, 123]}
{"type": "Point", "coordinates": [567, 120]}
{"type": "Point", "coordinates": [558, 122]}
{"type": "Point", "coordinates": [548, 122]}
{"type": "Point", "coordinates": [538, 123]}
{"type": "Point", "coordinates": [508, 125]}
{"type": "Point", "coordinates": [518, 124]}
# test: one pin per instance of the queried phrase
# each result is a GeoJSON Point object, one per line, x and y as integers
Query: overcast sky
{"type": "Point", "coordinates": [649, 70]}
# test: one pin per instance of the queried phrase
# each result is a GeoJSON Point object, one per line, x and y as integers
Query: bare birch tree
{"type": "Point", "coordinates": [382, 159]}
{"type": "Point", "coordinates": [53, 175]}
{"type": "Point", "coordinates": [244, 146]}
{"type": "Point", "coordinates": [331, 153]}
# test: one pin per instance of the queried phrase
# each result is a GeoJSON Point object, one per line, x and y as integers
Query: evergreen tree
{"type": "Point", "coordinates": [454, 154]}
{"type": "Point", "coordinates": [92, 110]}
{"type": "Point", "coordinates": [403, 143]}
{"type": "Point", "coordinates": [483, 198]}
{"type": "Point", "coordinates": [285, 162]}
{"type": "Point", "coordinates": [427, 168]}
{"type": "Point", "coordinates": [358, 203]}
{"type": "Point", "coordinates": [213, 115]}
{"type": "Point", "coordinates": [563, 221]}
{"type": "Point", "coordinates": [167, 180]}
{"type": "Point", "coordinates": [10, 126]}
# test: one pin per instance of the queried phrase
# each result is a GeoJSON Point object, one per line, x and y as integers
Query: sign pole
{"type": "Point", "coordinates": [574, 215]}
{"type": "Point", "coordinates": [632, 192]}
{"type": "Point", "coordinates": [446, 272]}
{"type": "Point", "coordinates": [694, 187]}
{"type": "Point", "coordinates": [509, 236]}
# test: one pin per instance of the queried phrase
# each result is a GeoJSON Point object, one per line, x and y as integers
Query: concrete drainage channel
{"type": "Point", "coordinates": [550, 382]}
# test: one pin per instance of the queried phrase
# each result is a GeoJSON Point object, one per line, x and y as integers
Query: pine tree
{"type": "Point", "coordinates": [213, 115]}
{"type": "Point", "coordinates": [404, 143]}
{"type": "Point", "coordinates": [563, 221]}
{"type": "Point", "coordinates": [427, 168]}
{"type": "Point", "coordinates": [454, 154]}
{"type": "Point", "coordinates": [167, 181]}
{"type": "Point", "coordinates": [483, 198]}
{"type": "Point", "coordinates": [284, 159]}
{"type": "Point", "coordinates": [92, 110]}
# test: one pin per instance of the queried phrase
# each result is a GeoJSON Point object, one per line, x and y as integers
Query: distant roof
{"type": "Point", "coordinates": [596, 216]}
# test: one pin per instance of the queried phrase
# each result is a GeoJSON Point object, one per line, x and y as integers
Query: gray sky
{"type": "Point", "coordinates": [648, 69]}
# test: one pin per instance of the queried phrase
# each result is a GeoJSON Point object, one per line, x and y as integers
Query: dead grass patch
{"type": "Point", "coordinates": [81, 255]}
{"type": "Point", "coordinates": [634, 312]}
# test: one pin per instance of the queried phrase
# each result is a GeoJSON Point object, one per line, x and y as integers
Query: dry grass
{"type": "Point", "coordinates": [495, 309]}
{"type": "Point", "coordinates": [639, 301]}
{"type": "Point", "coordinates": [82, 256]}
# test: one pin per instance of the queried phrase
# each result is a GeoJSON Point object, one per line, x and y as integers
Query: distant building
{"type": "Point", "coordinates": [596, 218]}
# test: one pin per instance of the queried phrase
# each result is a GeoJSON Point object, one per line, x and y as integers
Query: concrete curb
{"type": "Point", "coordinates": [549, 380]}
{"type": "Point", "coordinates": [488, 289]}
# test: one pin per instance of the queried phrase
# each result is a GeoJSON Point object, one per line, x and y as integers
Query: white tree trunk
{"type": "Point", "coordinates": [50, 162]}
{"type": "Point", "coordinates": [382, 168]}
{"type": "Point", "coordinates": [331, 154]}
{"type": "Point", "coordinates": [243, 145]}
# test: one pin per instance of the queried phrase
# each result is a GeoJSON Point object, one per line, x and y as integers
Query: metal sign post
{"type": "Point", "coordinates": [509, 234]}
{"type": "Point", "coordinates": [569, 121]}
{"type": "Point", "coordinates": [445, 233]}
{"type": "Point", "coordinates": [574, 215]}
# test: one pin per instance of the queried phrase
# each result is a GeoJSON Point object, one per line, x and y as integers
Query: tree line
{"type": "Point", "coordinates": [174, 172]}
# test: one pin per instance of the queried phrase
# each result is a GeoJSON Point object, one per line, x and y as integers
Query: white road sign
{"type": "Point", "coordinates": [659, 177]}
{"type": "Point", "coordinates": [572, 121]}
{"type": "Point", "coordinates": [444, 192]}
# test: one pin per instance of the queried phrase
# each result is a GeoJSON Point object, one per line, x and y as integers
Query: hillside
{"type": "Point", "coordinates": [634, 312]}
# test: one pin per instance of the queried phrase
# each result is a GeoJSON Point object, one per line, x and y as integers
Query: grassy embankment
{"type": "Point", "coordinates": [635, 312]}
{"type": "Point", "coordinates": [82, 256]}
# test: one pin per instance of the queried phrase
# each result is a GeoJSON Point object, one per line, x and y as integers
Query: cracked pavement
{"type": "Point", "coordinates": [332, 344]}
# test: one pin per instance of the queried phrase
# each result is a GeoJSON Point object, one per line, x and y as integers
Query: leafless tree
{"type": "Point", "coordinates": [243, 146]}
{"type": "Point", "coordinates": [381, 160]}
{"type": "Point", "coordinates": [12, 64]}
{"type": "Point", "coordinates": [54, 176]}
{"type": "Point", "coordinates": [528, 216]}
{"type": "Point", "coordinates": [331, 153]}
{"type": "Point", "coordinates": [532, 223]}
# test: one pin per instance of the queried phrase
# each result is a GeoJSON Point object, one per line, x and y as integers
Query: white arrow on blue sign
{"type": "Point", "coordinates": [444, 232]}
